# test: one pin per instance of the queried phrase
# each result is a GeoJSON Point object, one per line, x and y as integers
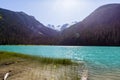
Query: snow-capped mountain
{"type": "Point", "coordinates": [64, 26]}
{"type": "Point", "coordinates": [51, 26]}
{"type": "Point", "coordinates": [61, 27]}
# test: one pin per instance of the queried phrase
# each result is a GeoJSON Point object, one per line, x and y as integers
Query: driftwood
{"type": "Point", "coordinates": [6, 75]}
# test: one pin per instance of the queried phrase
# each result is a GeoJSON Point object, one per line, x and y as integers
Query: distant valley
{"type": "Point", "coordinates": [100, 28]}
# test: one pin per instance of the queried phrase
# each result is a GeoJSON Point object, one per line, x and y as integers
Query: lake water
{"type": "Point", "coordinates": [103, 62]}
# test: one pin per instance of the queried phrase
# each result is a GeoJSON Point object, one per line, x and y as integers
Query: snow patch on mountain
{"type": "Point", "coordinates": [61, 27]}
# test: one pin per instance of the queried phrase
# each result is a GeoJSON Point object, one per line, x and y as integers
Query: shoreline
{"type": "Point", "coordinates": [26, 67]}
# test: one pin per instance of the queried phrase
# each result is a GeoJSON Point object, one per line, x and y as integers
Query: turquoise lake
{"type": "Point", "coordinates": [103, 62]}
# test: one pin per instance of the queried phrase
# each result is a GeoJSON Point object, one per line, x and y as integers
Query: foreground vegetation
{"type": "Point", "coordinates": [27, 67]}
{"type": "Point", "coordinates": [11, 55]}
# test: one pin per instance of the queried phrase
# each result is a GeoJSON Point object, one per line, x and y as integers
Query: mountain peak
{"type": "Point", "coordinates": [61, 27]}
{"type": "Point", "coordinates": [21, 28]}
{"type": "Point", "coordinates": [101, 27]}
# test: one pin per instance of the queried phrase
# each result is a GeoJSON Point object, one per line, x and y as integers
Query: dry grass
{"type": "Point", "coordinates": [48, 72]}
{"type": "Point", "coordinates": [28, 69]}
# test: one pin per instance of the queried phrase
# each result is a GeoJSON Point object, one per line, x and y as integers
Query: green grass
{"type": "Point", "coordinates": [11, 56]}
{"type": "Point", "coordinates": [38, 68]}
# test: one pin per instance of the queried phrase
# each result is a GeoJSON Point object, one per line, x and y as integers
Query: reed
{"type": "Point", "coordinates": [46, 60]}
{"type": "Point", "coordinates": [28, 67]}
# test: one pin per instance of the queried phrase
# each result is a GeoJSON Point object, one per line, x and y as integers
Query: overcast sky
{"type": "Point", "coordinates": [55, 12]}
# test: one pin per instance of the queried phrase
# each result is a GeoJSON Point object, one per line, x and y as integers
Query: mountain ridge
{"type": "Point", "coordinates": [100, 28]}
{"type": "Point", "coordinates": [20, 28]}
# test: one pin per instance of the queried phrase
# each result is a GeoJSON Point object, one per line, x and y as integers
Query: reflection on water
{"type": "Point", "coordinates": [103, 62]}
